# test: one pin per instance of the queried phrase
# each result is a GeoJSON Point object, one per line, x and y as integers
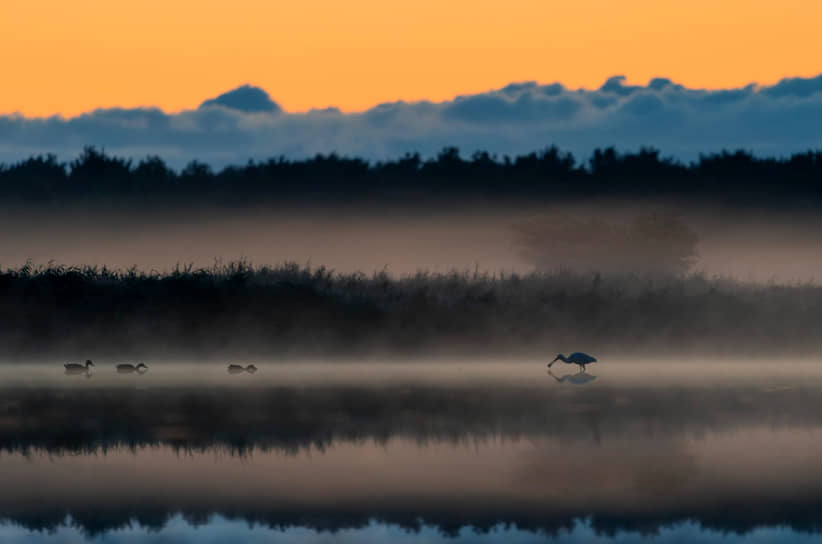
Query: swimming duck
{"type": "Point", "coordinates": [128, 368]}
{"type": "Point", "coordinates": [76, 368]}
{"type": "Point", "coordinates": [237, 369]}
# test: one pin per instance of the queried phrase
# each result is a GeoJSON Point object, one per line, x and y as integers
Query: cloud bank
{"type": "Point", "coordinates": [246, 123]}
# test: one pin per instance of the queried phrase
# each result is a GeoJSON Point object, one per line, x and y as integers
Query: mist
{"type": "Point", "coordinates": [661, 277]}
{"type": "Point", "coordinates": [742, 244]}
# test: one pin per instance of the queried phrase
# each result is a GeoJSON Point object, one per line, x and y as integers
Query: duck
{"type": "Point", "coordinates": [238, 369]}
{"type": "Point", "coordinates": [76, 368]}
{"type": "Point", "coordinates": [127, 368]}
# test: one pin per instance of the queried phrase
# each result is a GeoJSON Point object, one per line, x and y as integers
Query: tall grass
{"type": "Point", "coordinates": [238, 309]}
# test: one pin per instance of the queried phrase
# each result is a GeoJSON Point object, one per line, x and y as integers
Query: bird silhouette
{"type": "Point", "coordinates": [76, 368]}
{"type": "Point", "coordinates": [128, 368]}
{"type": "Point", "coordinates": [577, 358]}
{"type": "Point", "coordinates": [237, 369]}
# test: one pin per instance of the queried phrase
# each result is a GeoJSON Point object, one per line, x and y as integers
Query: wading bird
{"type": "Point", "coordinates": [76, 368]}
{"type": "Point", "coordinates": [237, 369]}
{"type": "Point", "coordinates": [577, 358]}
{"type": "Point", "coordinates": [127, 368]}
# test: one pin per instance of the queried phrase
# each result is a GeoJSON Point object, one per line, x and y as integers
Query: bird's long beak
{"type": "Point", "coordinates": [552, 362]}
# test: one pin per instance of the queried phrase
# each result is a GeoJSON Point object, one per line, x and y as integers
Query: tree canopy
{"type": "Point", "coordinates": [550, 173]}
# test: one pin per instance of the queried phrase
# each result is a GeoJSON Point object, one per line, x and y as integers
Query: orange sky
{"type": "Point", "coordinates": [67, 57]}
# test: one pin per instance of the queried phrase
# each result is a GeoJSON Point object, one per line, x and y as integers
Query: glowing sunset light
{"type": "Point", "coordinates": [71, 57]}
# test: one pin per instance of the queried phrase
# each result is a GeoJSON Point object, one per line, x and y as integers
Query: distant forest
{"type": "Point", "coordinates": [727, 176]}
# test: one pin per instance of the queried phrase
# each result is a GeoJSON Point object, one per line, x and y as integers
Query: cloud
{"type": "Point", "coordinates": [246, 99]}
{"type": "Point", "coordinates": [796, 87]}
{"type": "Point", "coordinates": [521, 117]}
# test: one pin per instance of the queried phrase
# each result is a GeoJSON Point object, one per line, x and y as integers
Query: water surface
{"type": "Point", "coordinates": [659, 450]}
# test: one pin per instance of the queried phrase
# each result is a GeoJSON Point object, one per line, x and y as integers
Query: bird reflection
{"type": "Point", "coordinates": [575, 378]}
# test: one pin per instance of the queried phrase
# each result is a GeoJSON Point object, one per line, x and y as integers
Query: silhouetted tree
{"type": "Point", "coordinates": [95, 173]}
{"type": "Point", "coordinates": [651, 244]}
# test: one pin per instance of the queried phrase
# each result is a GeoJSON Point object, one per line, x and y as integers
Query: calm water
{"type": "Point", "coordinates": [457, 452]}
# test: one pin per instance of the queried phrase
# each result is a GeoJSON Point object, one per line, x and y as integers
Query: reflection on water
{"type": "Point", "coordinates": [398, 455]}
{"type": "Point", "coordinates": [221, 529]}
{"type": "Point", "coordinates": [574, 378]}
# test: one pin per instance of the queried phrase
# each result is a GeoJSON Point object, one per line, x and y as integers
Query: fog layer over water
{"type": "Point", "coordinates": [440, 451]}
{"type": "Point", "coordinates": [745, 244]}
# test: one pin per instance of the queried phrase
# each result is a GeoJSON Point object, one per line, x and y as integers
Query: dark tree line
{"type": "Point", "coordinates": [550, 173]}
